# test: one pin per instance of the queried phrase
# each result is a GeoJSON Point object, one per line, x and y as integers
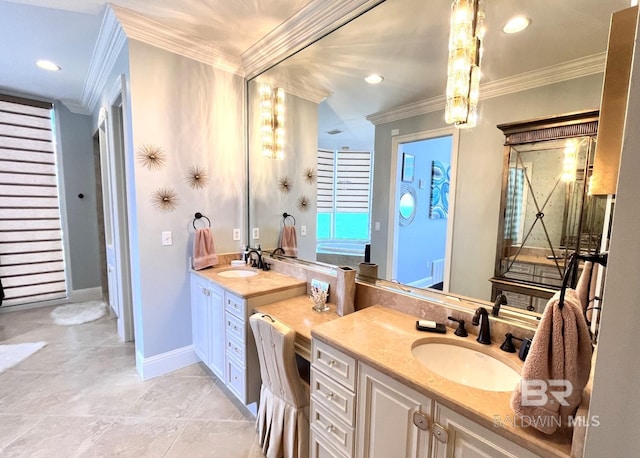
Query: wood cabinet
{"type": "Point", "coordinates": [393, 420]}
{"type": "Point", "coordinates": [455, 435]}
{"type": "Point", "coordinates": [358, 411]}
{"type": "Point", "coordinates": [546, 212]}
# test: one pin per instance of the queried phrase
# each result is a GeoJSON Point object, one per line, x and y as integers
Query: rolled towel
{"type": "Point", "coordinates": [586, 287]}
{"type": "Point", "coordinates": [289, 241]}
{"type": "Point", "coordinates": [204, 249]}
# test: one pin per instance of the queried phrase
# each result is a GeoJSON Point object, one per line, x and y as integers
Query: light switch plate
{"type": "Point", "coordinates": [167, 238]}
{"type": "Point", "coordinates": [255, 233]}
{"type": "Point", "coordinates": [303, 231]}
{"type": "Point", "coordinates": [236, 234]}
{"type": "Point", "coordinates": [377, 225]}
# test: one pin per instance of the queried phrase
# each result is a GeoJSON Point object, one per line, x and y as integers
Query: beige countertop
{"type": "Point", "coordinates": [298, 314]}
{"type": "Point", "coordinates": [383, 338]}
{"type": "Point", "coordinates": [263, 283]}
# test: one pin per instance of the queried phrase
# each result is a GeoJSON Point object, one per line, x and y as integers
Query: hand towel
{"type": "Point", "coordinates": [561, 350]}
{"type": "Point", "coordinates": [204, 249]}
{"type": "Point", "coordinates": [289, 241]}
{"type": "Point", "coordinates": [586, 287]}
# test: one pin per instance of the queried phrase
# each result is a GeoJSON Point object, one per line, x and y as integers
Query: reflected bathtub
{"type": "Point", "coordinates": [339, 253]}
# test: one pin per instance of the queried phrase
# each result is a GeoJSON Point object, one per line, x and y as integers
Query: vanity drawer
{"type": "Point", "coordinates": [549, 275]}
{"type": "Point", "coordinates": [332, 395]}
{"type": "Point", "coordinates": [521, 301]}
{"type": "Point", "coordinates": [334, 363]}
{"type": "Point", "coordinates": [234, 375]}
{"type": "Point", "coordinates": [234, 305]}
{"type": "Point", "coordinates": [235, 349]}
{"type": "Point", "coordinates": [234, 327]}
{"type": "Point", "coordinates": [338, 433]}
{"type": "Point", "coordinates": [517, 270]}
{"type": "Point", "coordinates": [320, 447]}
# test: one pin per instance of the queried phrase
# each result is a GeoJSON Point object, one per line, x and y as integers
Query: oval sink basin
{"type": "Point", "coordinates": [467, 366]}
{"type": "Point", "coordinates": [238, 273]}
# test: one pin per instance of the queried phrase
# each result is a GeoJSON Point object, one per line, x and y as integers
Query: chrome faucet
{"type": "Point", "coordinates": [481, 317]}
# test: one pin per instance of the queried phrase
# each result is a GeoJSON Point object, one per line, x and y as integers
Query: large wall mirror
{"type": "Point", "coordinates": [345, 142]}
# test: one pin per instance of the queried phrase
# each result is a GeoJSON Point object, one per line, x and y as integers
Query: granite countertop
{"type": "Point", "coordinates": [383, 338]}
{"type": "Point", "coordinates": [247, 287]}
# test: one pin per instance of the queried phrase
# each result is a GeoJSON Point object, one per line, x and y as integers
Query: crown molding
{"type": "Point", "coordinates": [585, 66]}
{"type": "Point", "coordinates": [110, 42]}
{"type": "Point", "coordinates": [315, 94]}
{"type": "Point", "coordinates": [146, 30]}
{"type": "Point", "coordinates": [307, 25]}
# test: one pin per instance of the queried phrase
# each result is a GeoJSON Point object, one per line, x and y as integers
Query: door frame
{"type": "Point", "coordinates": [394, 182]}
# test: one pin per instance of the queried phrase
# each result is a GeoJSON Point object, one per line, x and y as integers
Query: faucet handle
{"type": "Point", "coordinates": [460, 331]}
{"type": "Point", "coordinates": [508, 345]}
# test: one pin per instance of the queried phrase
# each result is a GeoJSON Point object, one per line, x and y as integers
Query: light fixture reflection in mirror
{"type": "Point", "coordinates": [272, 121]}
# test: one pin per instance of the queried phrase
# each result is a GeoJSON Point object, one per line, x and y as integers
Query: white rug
{"type": "Point", "coordinates": [82, 312]}
{"type": "Point", "coordinates": [10, 355]}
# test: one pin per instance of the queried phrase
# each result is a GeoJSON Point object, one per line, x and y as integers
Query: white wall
{"type": "Point", "coordinates": [479, 176]}
{"type": "Point", "coordinates": [195, 114]}
{"type": "Point", "coordinates": [615, 400]}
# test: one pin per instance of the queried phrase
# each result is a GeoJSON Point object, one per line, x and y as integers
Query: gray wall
{"type": "Point", "coordinates": [479, 174]}
{"type": "Point", "coordinates": [75, 151]}
{"type": "Point", "coordinates": [195, 113]}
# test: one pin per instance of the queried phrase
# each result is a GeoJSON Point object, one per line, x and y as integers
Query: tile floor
{"type": "Point", "coordinates": [80, 396]}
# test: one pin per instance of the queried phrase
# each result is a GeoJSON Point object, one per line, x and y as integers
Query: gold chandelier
{"type": "Point", "coordinates": [463, 70]}
{"type": "Point", "coordinates": [272, 121]}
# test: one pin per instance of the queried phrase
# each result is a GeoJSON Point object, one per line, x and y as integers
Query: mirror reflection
{"type": "Point", "coordinates": [344, 138]}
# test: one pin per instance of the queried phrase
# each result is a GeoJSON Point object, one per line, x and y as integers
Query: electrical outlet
{"type": "Point", "coordinates": [303, 231]}
{"type": "Point", "coordinates": [377, 225]}
{"type": "Point", "coordinates": [167, 238]}
{"type": "Point", "coordinates": [236, 234]}
{"type": "Point", "coordinates": [255, 233]}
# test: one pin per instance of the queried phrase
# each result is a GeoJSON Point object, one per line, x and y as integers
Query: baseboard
{"type": "Point", "coordinates": [164, 363]}
{"type": "Point", "coordinates": [422, 282]}
{"type": "Point", "coordinates": [87, 294]}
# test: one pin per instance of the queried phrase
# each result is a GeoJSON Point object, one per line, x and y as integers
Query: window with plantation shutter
{"type": "Point", "coordinates": [344, 194]}
{"type": "Point", "coordinates": [31, 248]}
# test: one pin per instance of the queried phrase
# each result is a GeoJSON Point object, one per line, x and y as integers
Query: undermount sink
{"type": "Point", "coordinates": [466, 366]}
{"type": "Point", "coordinates": [238, 273]}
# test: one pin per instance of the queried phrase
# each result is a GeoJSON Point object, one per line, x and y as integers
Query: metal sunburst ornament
{"type": "Point", "coordinates": [165, 199]}
{"type": "Point", "coordinates": [303, 203]}
{"type": "Point", "coordinates": [309, 175]}
{"type": "Point", "coordinates": [152, 157]}
{"type": "Point", "coordinates": [285, 185]}
{"type": "Point", "coordinates": [197, 177]}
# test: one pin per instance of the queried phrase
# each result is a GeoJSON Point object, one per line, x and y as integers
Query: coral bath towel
{"type": "Point", "coordinates": [204, 249]}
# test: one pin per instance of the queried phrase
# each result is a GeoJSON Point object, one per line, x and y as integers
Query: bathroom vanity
{"type": "Point", "coordinates": [220, 307]}
{"type": "Point", "coordinates": [371, 397]}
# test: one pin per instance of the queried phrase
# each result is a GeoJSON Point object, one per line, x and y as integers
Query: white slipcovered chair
{"type": "Point", "coordinates": [282, 423]}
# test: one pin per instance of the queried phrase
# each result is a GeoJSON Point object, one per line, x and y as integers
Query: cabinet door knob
{"type": "Point", "coordinates": [329, 428]}
{"type": "Point", "coordinates": [329, 396]}
{"type": "Point", "coordinates": [332, 363]}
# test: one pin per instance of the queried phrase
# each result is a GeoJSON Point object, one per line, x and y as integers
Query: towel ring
{"type": "Point", "coordinates": [286, 215]}
{"type": "Point", "coordinates": [199, 215]}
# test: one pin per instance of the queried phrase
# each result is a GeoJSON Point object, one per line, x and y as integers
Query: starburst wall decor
{"type": "Point", "coordinates": [165, 199]}
{"type": "Point", "coordinates": [285, 185]}
{"type": "Point", "coordinates": [197, 177]}
{"type": "Point", "coordinates": [309, 175]}
{"type": "Point", "coordinates": [152, 157]}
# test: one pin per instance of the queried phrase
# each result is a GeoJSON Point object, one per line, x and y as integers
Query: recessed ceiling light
{"type": "Point", "coordinates": [516, 24]}
{"type": "Point", "coordinates": [48, 65]}
{"type": "Point", "coordinates": [374, 79]}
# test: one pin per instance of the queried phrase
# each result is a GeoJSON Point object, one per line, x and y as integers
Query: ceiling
{"type": "Point", "coordinates": [405, 40]}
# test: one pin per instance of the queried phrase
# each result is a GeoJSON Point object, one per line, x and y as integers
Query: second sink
{"type": "Point", "coordinates": [466, 366]}
{"type": "Point", "coordinates": [238, 273]}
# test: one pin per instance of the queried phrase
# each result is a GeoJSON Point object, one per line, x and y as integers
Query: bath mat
{"type": "Point", "coordinates": [82, 312]}
{"type": "Point", "coordinates": [10, 355]}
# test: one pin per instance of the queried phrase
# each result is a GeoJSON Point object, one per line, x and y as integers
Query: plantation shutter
{"type": "Point", "coordinates": [353, 173]}
{"type": "Point", "coordinates": [31, 247]}
{"type": "Point", "coordinates": [325, 190]}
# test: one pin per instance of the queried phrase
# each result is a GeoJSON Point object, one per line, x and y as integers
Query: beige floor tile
{"type": "Point", "coordinates": [13, 426]}
{"type": "Point", "coordinates": [226, 439]}
{"type": "Point", "coordinates": [216, 405]}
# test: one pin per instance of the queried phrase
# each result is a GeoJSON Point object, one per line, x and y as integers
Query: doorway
{"type": "Point", "coordinates": [423, 208]}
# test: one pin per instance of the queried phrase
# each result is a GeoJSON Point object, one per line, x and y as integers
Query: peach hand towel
{"type": "Point", "coordinates": [561, 350]}
{"type": "Point", "coordinates": [204, 249]}
{"type": "Point", "coordinates": [289, 241]}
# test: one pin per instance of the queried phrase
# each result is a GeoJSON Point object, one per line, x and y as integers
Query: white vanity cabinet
{"type": "Point", "coordinates": [456, 435]}
{"type": "Point", "coordinates": [393, 420]}
{"type": "Point", "coordinates": [207, 321]}
{"type": "Point", "coordinates": [333, 402]}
